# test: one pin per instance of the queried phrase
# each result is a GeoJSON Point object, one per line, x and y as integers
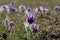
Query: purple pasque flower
{"type": "Point", "coordinates": [31, 17]}
{"type": "Point", "coordinates": [40, 9]}
{"type": "Point", "coordinates": [57, 7]}
{"type": "Point", "coordinates": [11, 23]}
{"type": "Point", "coordinates": [29, 9]}
{"type": "Point", "coordinates": [22, 8]}
{"type": "Point", "coordinates": [13, 9]}
{"type": "Point", "coordinates": [46, 10]}
{"type": "Point", "coordinates": [12, 4]}
{"type": "Point", "coordinates": [35, 27]}
{"type": "Point", "coordinates": [6, 8]}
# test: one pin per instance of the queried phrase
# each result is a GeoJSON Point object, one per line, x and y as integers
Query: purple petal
{"type": "Point", "coordinates": [46, 10]}
{"type": "Point", "coordinates": [35, 27]}
{"type": "Point", "coordinates": [13, 9]}
{"type": "Point", "coordinates": [6, 7]}
{"type": "Point", "coordinates": [11, 24]}
{"type": "Point", "coordinates": [31, 17]}
{"type": "Point", "coordinates": [57, 7]}
{"type": "Point", "coordinates": [28, 8]}
{"type": "Point", "coordinates": [22, 8]}
{"type": "Point", "coordinates": [40, 9]}
{"type": "Point", "coordinates": [12, 3]}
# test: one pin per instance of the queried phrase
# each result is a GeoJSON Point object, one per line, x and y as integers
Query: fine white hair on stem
{"type": "Point", "coordinates": [6, 20]}
{"type": "Point", "coordinates": [26, 12]}
{"type": "Point", "coordinates": [36, 10]}
{"type": "Point", "coordinates": [26, 25]}
{"type": "Point", "coordinates": [1, 8]}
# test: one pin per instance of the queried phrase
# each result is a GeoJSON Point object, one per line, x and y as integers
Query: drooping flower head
{"type": "Point", "coordinates": [11, 23]}
{"type": "Point", "coordinates": [40, 9]}
{"type": "Point", "coordinates": [46, 10]}
{"type": "Point", "coordinates": [22, 8]}
{"type": "Point", "coordinates": [57, 7]}
{"type": "Point", "coordinates": [6, 8]}
{"type": "Point", "coordinates": [31, 17]}
{"type": "Point", "coordinates": [29, 9]}
{"type": "Point", "coordinates": [13, 9]}
{"type": "Point", "coordinates": [35, 27]}
{"type": "Point", "coordinates": [12, 4]}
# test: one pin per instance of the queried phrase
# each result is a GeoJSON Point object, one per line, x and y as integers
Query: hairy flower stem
{"type": "Point", "coordinates": [29, 32]}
